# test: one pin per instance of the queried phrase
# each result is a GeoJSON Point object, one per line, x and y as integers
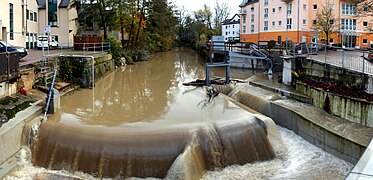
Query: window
{"type": "Point", "coordinates": [273, 10]}
{"type": "Point", "coordinates": [331, 7]}
{"type": "Point", "coordinates": [348, 24]}
{"type": "Point", "coordinates": [265, 2]}
{"type": "Point", "coordinates": [279, 9]}
{"type": "Point", "coordinates": [288, 23]}
{"type": "Point", "coordinates": [314, 7]}
{"type": "Point", "coordinates": [288, 8]}
{"type": "Point", "coordinates": [244, 19]}
{"type": "Point", "coordinates": [243, 29]}
{"type": "Point", "coordinates": [279, 23]}
{"type": "Point", "coordinates": [232, 32]}
{"type": "Point", "coordinates": [365, 41]}
{"type": "Point", "coordinates": [265, 25]}
{"type": "Point", "coordinates": [273, 23]}
{"type": "Point", "coordinates": [304, 22]}
{"type": "Point", "coordinates": [305, 7]}
{"type": "Point", "coordinates": [266, 13]}
{"type": "Point", "coordinates": [31, 16]}
{"type": "Point", "coordinates": [252, 9]}
{"type": "Point", "coordinates": [226, 33]}
{"type": "Point", "coordinates": [314, 21]}
{"type": "Point", "coordinates": [365, 23]}
{"type": "Point", "coordinates": [233, 26]}
{"type": "Point", "coordinates": [35, 17]}
{"type": "Point", "coordinates": [252, 28]}
{"type": "Point", "coordinates": [366, 9]}
{"type": "Point", "coordinates": [226, 27]}
{"type": "Point", "coordinates": [52, 13]}
{"type": "Point", "coordinates": [252, 18]}
{"type": "Point", "coordinates": [348, 9]}
{"type": "Point", "coordinates": [331, 22]}
{"type": "Point", "coordinates": [331, 40]}
{"type": "Point", "coordinates": [11, 34]}
{"type": "Point", "coordinates": [27, 14]}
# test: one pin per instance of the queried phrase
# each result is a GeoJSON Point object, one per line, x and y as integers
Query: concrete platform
{"type": "Point", "coordinates": [11, 135]}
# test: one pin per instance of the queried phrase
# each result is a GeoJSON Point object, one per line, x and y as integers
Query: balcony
{"type": "Point", "coordinates": [287, 1]}
{"type": "Point", "coordinates": [242, 11]}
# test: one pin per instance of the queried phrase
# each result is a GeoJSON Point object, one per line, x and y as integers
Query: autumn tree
{"type": "Point", "coordinates": [325, 22]}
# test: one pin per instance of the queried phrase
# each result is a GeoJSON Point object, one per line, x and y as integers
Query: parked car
{"type": "Point", "coordinates": [6, 47]}
{"type": "Point", "coordinates": [45, 42]}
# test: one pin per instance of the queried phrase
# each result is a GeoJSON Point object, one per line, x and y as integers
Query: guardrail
{"type": "Point", "coordinates": [347, 58]}
{"type": "Point", "coordinates": [87, 48]}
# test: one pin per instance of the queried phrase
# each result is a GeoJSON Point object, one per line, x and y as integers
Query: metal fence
{"type": "Point", "coordinates": [347, 58]}
{"type": "Point", "coordinates": [9, 66]}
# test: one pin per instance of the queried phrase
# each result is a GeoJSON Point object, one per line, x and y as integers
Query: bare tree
{"type": "Point", "coordinates": [222, 11]}
{"type": "Point", "coordinates": [364, 10]}
{"type": "Point", "coordinates": [325, 21]}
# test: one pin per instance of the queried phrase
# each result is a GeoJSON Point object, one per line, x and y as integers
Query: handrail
{"type": "Point", "coordinates": [50, 94]}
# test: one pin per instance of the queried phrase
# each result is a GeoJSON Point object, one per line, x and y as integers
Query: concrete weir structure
{"type": "Point", "coordinates": [344, 139]}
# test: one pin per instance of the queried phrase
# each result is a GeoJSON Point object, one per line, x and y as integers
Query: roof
{"type": "Point", "coordinates": [247, 2]}
{"type": "Point", "coordinates": [231, 21]}
{"type": "Point", "coordinates": [63, 4]}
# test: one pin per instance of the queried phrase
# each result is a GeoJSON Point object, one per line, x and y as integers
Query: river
{"type": "Point", "coordinates": [142, 116]}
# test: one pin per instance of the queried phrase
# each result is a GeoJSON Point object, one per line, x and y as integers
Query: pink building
{"type": "Point", "coordinates": [280, 20]}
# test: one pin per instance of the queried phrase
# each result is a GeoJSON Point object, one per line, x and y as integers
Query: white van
{"type": "Point", "coordinates": [43, 42]}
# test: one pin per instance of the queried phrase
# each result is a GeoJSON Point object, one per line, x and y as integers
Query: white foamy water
{"type": "Point", "coordinates": [302, 160]}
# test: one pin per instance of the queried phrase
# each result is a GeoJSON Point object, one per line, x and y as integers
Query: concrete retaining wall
{"type": "Point", "coordinates": [355, 110]}
{"type": "Point", "coordinates": [346, 148]}
{"type": "Point", "coordinates": [11, 134]}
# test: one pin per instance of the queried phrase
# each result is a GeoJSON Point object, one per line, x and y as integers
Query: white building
{"type": "Point", "coordinates": [231, 28]}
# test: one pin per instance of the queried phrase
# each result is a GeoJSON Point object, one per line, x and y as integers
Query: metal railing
{"type": "Point", "coordinates": [347, 58]}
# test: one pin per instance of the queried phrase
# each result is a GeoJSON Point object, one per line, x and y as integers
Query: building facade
{"type": "Point", "coordinates": [280, 20]}
{"type": "Point", "coordinates": [231, 28]}
{"type": "Point", "coordinates": [62, 17]}
{"type": "Point", "coordinates": [22, 21]}
{"type": "Point", "coordinates": [19, 22]}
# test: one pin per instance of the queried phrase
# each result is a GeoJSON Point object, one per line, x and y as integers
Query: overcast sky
{"type": "Point", "coordinates": [194, 5]}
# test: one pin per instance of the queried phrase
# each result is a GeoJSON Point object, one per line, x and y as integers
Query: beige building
{"type": "Point", "coordinates": [19, 21]}
{"type": "Point", "coordinates": [61, 16]}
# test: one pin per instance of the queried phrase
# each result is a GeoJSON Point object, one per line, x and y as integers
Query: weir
{"type": "Point", "coordinates": [155, 127]}
{"type": "Point", "coordinates": [139, 121]}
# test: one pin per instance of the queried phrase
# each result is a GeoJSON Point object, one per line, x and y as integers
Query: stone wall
{"type": "Point", "coordinates": [355, 110]}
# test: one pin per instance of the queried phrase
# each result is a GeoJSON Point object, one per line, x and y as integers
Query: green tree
{"type": "Point", "coordinates": [161, 25]}
{"type": "Point", "coordinates": [100, 11]}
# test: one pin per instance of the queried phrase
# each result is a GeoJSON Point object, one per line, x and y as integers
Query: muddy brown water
{"type": "Point", "coordinates": [141, 121]}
